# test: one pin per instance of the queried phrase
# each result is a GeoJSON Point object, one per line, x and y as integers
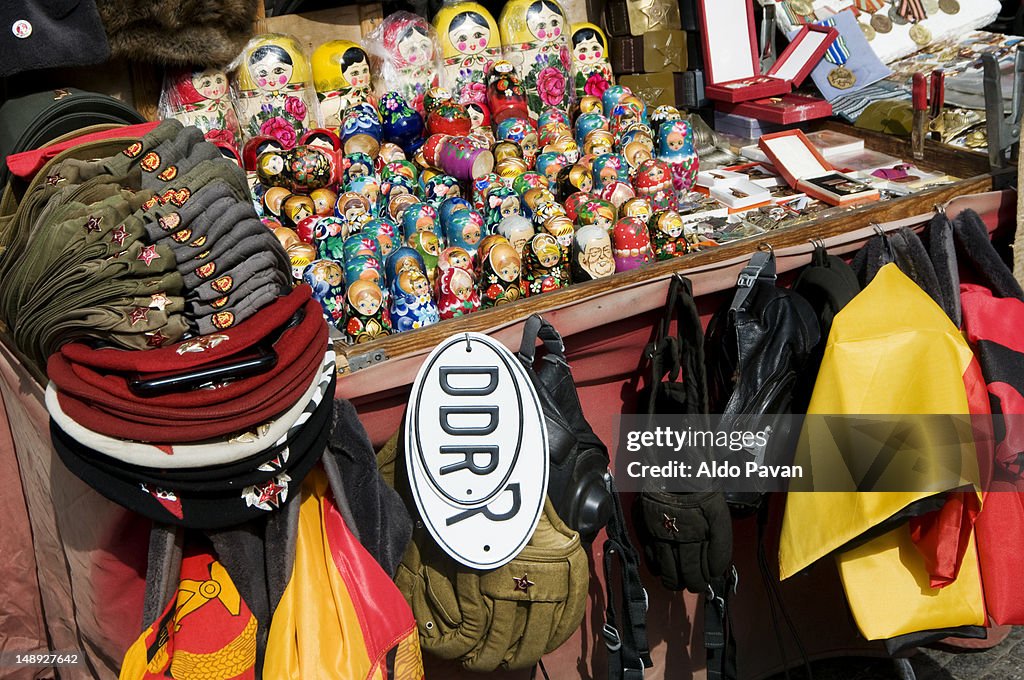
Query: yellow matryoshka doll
{"type": "Point", "coordinates": [341, 77]}
{"type": "Point", "coordinates": [535, 38]}
{"type": "Point", "coordinates": [591, 68]}
{"type": "Point", "coordinates": [470, 44]}
{"type": "Point", "coordinates": [272, 90]}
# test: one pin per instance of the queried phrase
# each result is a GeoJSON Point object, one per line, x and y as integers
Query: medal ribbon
{"type": "Point", "coordinates": [913, 11]}
{"type": "Point", "coordinates": [870, 6]}
{"type": "Point", "coordinates": [795, 18]}
{"type": "Point", "coordinates": [838, 52]}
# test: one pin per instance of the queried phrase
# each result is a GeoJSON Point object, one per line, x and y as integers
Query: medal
{"type": "Point", "coordinates": [838, 53]}
{"type": "Point", "coordinates": [881, 23]}
{"type": "Point", "coordinates": [931, 6]}
{"type": "Point", "coordinates": [869, 32]}
{"type": "Point", "coordinates": [896, 17]}
{"type": "Point", "coordinates": [842, 78]}
{"type": "Point", "coordinates": [949, 6]}
{"type": "Point", "coordinates": [920, 35]}
{"type": "Point", "coordinates": [802, 7]}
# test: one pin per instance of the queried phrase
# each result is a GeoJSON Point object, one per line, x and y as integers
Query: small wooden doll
{"type": "Point", "coordinates": [365, 267]}
{"type": "Point", "coordinates": [406, 48]}
{"type": "Point", "coordinates": [421, 217]}
{"type": "Point", "coordinates": [272, 89]}
{"type": "Point", "coordinates": [597, 212]}
{"type": "Point", "coordinates": [360, 244]}
{"type": "Point", "coordinates": [200, 97]}
{"type": "Point", "coordinates": [456, 293]}
{"type": "Point", "coordinates": [572, 179]}
{"type": "Point", "coordinates": [501, 203]}
{"type": "Point", "coordinates": [573, 204]}
{"type": "Point", "coordinates": [562, 228]}
{"type": "Point", "coordinates": [428, 246]}
{"type": "Point", "coordinates": [518, 230]}
{"type": "Point", "coordinates": [617, 193]}
{"type": "Point", "coordinates": [323, 201]}
{"type": "Point", "coordinates": [609, 167]}
{"type": "Point", "coordinates": [412, 305]}
{"type": "Point", "coordinates": [456, 257]}
{"type": "Point", "coordinates": [598, 143]}
{"type": "Point", "coordinates": [506, 95]}
{"type": "Point", "coordinates": [530, 180]}
{"type": "Point", "coordinates": [470, 44]}
{"type": "Point", "coordinates": [355, 208]}
{"type": "Point", "coordinates": [523, 132]}
{"type": "Point", "coordinates": [401, 124]}
{"type": "Point", "coordinates": [664, 114]}
{"type": "Point", "coordinates": [591, 68]}
{"type": "Point", "coordinates": [369, 188]}
{"type": "Point", "coordinates": [612, 96]}
{"type": "Point", "coordinates": [341, 77]}
{"type": "Point", "coordinates": [399, 259]}
{"type": "Point", "coordinates": [328, 283]}
{"type": "Point", "coordinates": [500, 275]}
{"type": "Point", "coordinates": [675, 147]}
{"type": "Point", "coordinates": [534, 37]}
{"type": "Point", "coordinates": [632, 244]}
{"type": "Point", "coordinates": [297, 208]}
{"type": "Point", "coordinates": [368, 314]}
{"type": "Point", "coordinates": [464, 229]}
{"type": "Point", "coordinates": [653, 181]}
{"type": "Point", "coordinates": [386, 233]}
{"type": "Point", "coordinates": [637, 207]}
{"type": "Point", "coordinates": [591, 254]}
{"type": "Point", "coordinates": [534, 199]}
{"type": "Point", "coordinates": [449, 207]}
{"type": "Point", "coordinates": [666, 230]}
{"type": "Point", "coordinates": [358, 165]}
{"type": "Point", "coordinates": [440, 187]}
{"type": "Point", "coordinates": [543, 266]}
{"type": "Point", "coordinates": [550, 164]}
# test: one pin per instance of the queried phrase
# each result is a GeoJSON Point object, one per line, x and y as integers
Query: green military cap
{"type": "Point", "coordinates": [261, 266]}
{"type": "Point", "coordinates": [261, 243]}
{"type": "Point", "coordinates": [223, 316]}
{"type": "Point", "coordinates": [209, 230]}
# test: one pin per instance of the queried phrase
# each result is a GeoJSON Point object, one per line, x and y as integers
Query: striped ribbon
{"type": "Point", "coordinates": [870, 6]}
{"type": "Point", "coordinates": [838, 53]}
{"type": "Point", "coordinates": [794, 18]}
{"type": "Point", "coordinates": [913, 11]}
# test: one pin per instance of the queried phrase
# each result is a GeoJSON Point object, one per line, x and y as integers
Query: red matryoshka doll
{"type": "Point", "coordinates": [653, 181]}
{"type": "Point", "coordinates": [534, 37]}
{"type": "Point", "coordinates": [500, 274]}
{"type": "Point", "coordinates": [456, 293]}
{"type": "Point", "coordinates": [591, 254]}
{"type": "Point", "coordinates": [597, 212]}
{"type": "Point", "coordinates": [506, 95]}
{"type": "Point", "coordinates": [632, 244]}
{"type": "Point", "coordinates": [341, 78]}
{"type": "Point", "coordinates": [368, 314]}
{"type": "Point", "coordinates": [456, 257]}
{"type": "Point", "coordinates": [470, 44]}
{"type": "Point", "coordinates": [544, 267]}
{"type": "Point", "coordinates": [591, 68]}
{"type": "Point", "coordinates": [617, 192]}
{"type": "Point", "coordinates": [667, 239]}
{"type": "Point", "coordinates": [201, 98]}
{"type": "Point", "coordinates": [406, 48]}
{"type": "Point", "coordinates": [272, 93]}
{"type": "Point", "coordinates": [297, 208]}
{"type": "Point", "coordinates": [636, 153]}
{"type": "Point", "coordinates": [481, 133]}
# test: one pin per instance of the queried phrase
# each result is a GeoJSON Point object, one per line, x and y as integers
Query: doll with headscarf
{"type": "Point", "coordinates": [328, 283]}
{"type": "Point", "coordinates": [534, 37]}
{"type": "Point", "coordinates": [470, 45]}
{"type": "Point", "coordinates": [341, 78]}
{"type": "Point", "coordinates": [412, 305]}
{"type": "Point", "coordinates": [200, 98]}
{"type": "Point", "coordinates": [406, 48]}
{"type": "Point", "coordinates": [272, 89]}
{"type": "Point", "coordinates": [456, 293]}
{"type": "Point", "coordinates": [544, 267]}
{"type": "Point", "coordinates": [675, 147]}
{"type": "Point", "coordinates": [591, 68]}
{"type": "Point", "coordinates": [368, 314]}
{"type": "Point", "coordinates": [500, 273]}
{"type": "Point", "coordinates": [667, 239]}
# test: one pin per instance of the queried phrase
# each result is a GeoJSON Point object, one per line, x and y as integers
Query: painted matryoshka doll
{"type": "Point", "coordinates": [323, 201]}
{"type": "Point", "coordinates": [550, 164]}
{"type": "Point", "coordinates": [406, 47]}
{"type": "Point", "coordinates": [574, 178]}
{"type": "Point", "coordinates": [521, 131]}
{"type": "Point", "coordinates": [632, 244]}
{"type": "Point", "coordinates": [599, 143]}
{"type": "Point", "coordinates": [591, 68]}
{"type": "Point", "coordinates": [562, 228]}
{"type": "Point", "coordinates": [666, 229]}
{"type": "Point", "coordinates": [637, 207]}
{"type": "Point", "coordinates": [534, 37]}
{"type": "Point", "coordinates": [597, 212]}
{"type": "Point", "coordinates": [612, 96]}
{"type": "Point", "coordinates": [543, 266]}
{"type": "Point", "coordinates": [429, 247]}
{"type": "Point", "coordinates": [455, 257]}
{"type": "Point", "coordinates": [573, 204]}
{"type": "Point", "coordinates": [412, 305]}
{"type": "Point", "coordinates": [591, 254]}
{"type": "Point", "coordinates": [456, 293]}
{"type": "Point", "coordinates": [368, 314]}
{"type": "Point", "coordinates": [465, 229]}
{"type": "Point", "coordinates": [386, 234]}
{"type": "Point", "coordinates": [401, 124]}
{"type": "Point", "coordinates": [609, 168]}
{"type": "Point", "coordinates": [200, 98]}
{"type": "Point", "coordinates": [328, 283]}
{"type": "Point", "coordinates": [653, 181]}
{"type": "Point", "coordinates": [363, 266]}
{"type": "Point", "coordinates": [341, 78]}
{"type": "Point", "coordinates": [675, 147]}
{"type": "Point", "coordinates": [501, 203]}
{"type": "Point", "coordinates": [399, 259]}
{"type": "Point", "coordinates": [361, 129]}
{"type": "Point", "coordinates": [506, 95]}
{"type": "Point", "coordinates": [518, 231]}
{"type": "Point", "coordinates": [440, 187]}
{"type": "Point", "coordinates": [358, 165]}
{"type": "Point", "coordinates": [272, 89]}
{"type": "Point", "coordinates": [617, 192]}
{"type": "Point", "coordinates": [419, 217]}
{"type": "Point", "coordinates": [355, 208]}
{"type": "Point", "coordinates": [369, 188]}
{"type": "Point", "coordinates": [500, 275]}
{"type": "Point", "coordinates": [470, 44]}
{"type": "Point", "coordinates": [664, 114]}
{"type": "Point", "coordinates": [297, 208]}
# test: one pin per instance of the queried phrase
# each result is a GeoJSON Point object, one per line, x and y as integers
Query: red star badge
{"type": "Point", "coordinates": [138, 314]}
{"type": "Point", "coordinates": [148, 254]}
{"type": "Point", "coordinates": [523, 583]}
{"type": "Point", "coordinates": [159, 301]}
{"type": "Point", "coordinates": [54, 180]}
{"type": "Point", "coordinates": [156, 339]}
{"type": "Point", "coordinates": [119, 235]}
{"type": "Point", "coordinates": [93, 225]}
{"type": "Point", "coordinates": [270, 492]}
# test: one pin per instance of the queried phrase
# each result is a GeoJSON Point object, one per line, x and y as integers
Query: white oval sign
{"type": "Point", "coordinates": [476, 450]}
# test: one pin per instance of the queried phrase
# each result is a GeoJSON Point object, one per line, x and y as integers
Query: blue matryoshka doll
{"type": "Point", "coordinates": [399, 259]}
{"type": "Point", "coordinates": [369, 188]}
{"type": "Point", "coordinates": [358, 164]}
{"type": "Point", "coordinates": [675, 147]}
{"type": "Point", "coordinates": [412, 304]}
{"type": "Point", "coordinates": [439, 187]}
{"type": "Point", "coordinates": [401, 124]}
{"type": "Point", "coordinates": [523, 132]}
{"type": "Point", "coordinates": [364, 267]}
{"type": "Point", "coordinates": [607, 168]}
{"type": "Point", "coordinates": [465, 229]}
{"type": "Point", "coordinates": [328, 283]}
{"type": "Point", "coordinates": [587, 123]}
{"type": "Point", "coordinates": [612, 96]}
{"type": "Point", "coordinates": [449, 207]}
{"type": "Point", "coordinates": [550, 164]}
{"type": "Point", "coordinates": [501, 203]}
{"type": "Point", "coordinates": [360, 244]}
{"type": "Point", "coordinates": [386, 233]}
{"type": "Point", "coordinates": [420, 216]}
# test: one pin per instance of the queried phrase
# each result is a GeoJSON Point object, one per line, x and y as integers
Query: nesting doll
{"type": "Point", "coordinates": [632, 244]}
{"type": "Point", "coordinates": [401, 124]}
{"type": "Point", "coordinates": [395, 169]}
{"type": "Point", "coordinates": [591, 65]}
{"type": "Point", "coordinates": [395, 206]}
{"type": "Point", "coordinates": [480, 119]}
{"type": "Point", "coordinates": [297, 208]}
{"type": "Point", "coordinates": [510, 169]}
{"type": "Point", "coordinates": [501, 203]}
{"type": "Point", "coordinates": [572, 179]}
{"type": "Point", "coordinates": [406, 48]}
{"type": "Point", "coordinates": [534, 37]}
{"type": "Point", "coordinates": [456, 257]}
{"type": "Point", "coordinates": [369, 188]}
{"type": "Point", "coordinates": [386, 234]}
{"type": "Point", "coordinates": [465, 229]}
{"type": "Point", "coordinates": [599, 143]}
{"type": "Point", "coordinates": [506, 94]}
{"type": "Point", "coordinates": [201, 98]}
{"type": "Point", "coordinates": [565, 145]}
{"type": "Point", "coordinates": [368, 314]}
{"type": "Point", "coordinates": [420, 217]}
{"type": "Point", "coordinates": [534, 198]}
{"type": "Point", "coordinates": [470, 44]}
{"type": "Point", "coordinates": [573, 203]}
{"type": "Point", "coordinates": [547, 134]}
{"type": "Point", "coordinates": [589, 104]}
{"type": "Point", "coordinates": [518, 231]}
{"type": "Point", "coordinates": [363, 266]}
{"type": "Point", "coordinates": [530, 180]}
{"type": "Point", "coordinates": [591, 254]}
{"type": "Point", "coordinates": [664, 114]}
{"type": "Point", "coordinates": [412, 305]}
{"type": "Point", "coordinates": [598, 212]}
{"type": "Point", "coordinates": [341, 78]}
{"type": "Point", "coordinates": [361, 130]}
{"type": "Point", "coordinates": [456, 293]}
{"type": "Point", "coordinates": [449, 118]}
{"type": "Point", "coordinates": [547, 211]}
{"type": "Point", "coordinates": [550, 164]}
{"type": "Point", "coordinates": [429, 247]}
{"type": "Point", "coordinates": [521, 131]}
{"type": "Point", "coordinates": [500, 275]}
{"type": "Point", "coordinates": [358, 165]}
{"type": "Point", "coordinates": [323, 201]}
{"type": "Point", "coordinates": [562, 228]}
{"type": "Point", "coordinates": [675, 147]}
{"type": "Point", "coordinates": [440, 187]}
{"type": "Point", "coordinates": [543, 266]}
{"type": "Point", "coordinates": [272, 89]}
{"type": "Point", "coordinates": [637, 207]}
{"type": "Point", "coordinates": [328, 283]}
{"type": "Point", "coordinates": [355, 208]}
{"type": "Point", "coordinates": [612, 96]}
{"type": "Point", "coordinates": [617, 192]}
{"type": "Point", "coordinates": [653, 181]}
{"type": "Point", "coordinates": [666, 230]}
{"type": "Point", "coordinates": [481, 187]}
{"type": "Point", "coordinates": [300, 255]}
{"type": "Point", "coordinates": [609, 168]}
{"type": "Point", "coordinates": [449, 207]}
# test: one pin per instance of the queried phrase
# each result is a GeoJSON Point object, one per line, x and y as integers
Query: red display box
{"type": "Point", "coordinates": [806, 170]}
{"type": "Point", "coordinates": [788, 109]}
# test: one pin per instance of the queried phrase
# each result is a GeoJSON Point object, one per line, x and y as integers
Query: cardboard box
{"type": "Point", "coordinates": [638, 17]}
{"type": "Point", "coordinates": [805, 169]}
{"type": "Point", "coordinates": [651, 53]}
{"type": "Point", "coordinates": [312, 29]}
{"type": "Point", "coordinates": [657, 89]}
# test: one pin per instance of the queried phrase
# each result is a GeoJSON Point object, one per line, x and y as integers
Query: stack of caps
{"type": "Point", "coordinates": [137, 250]}
{"type": "Point", "coordinates": [205, 433]}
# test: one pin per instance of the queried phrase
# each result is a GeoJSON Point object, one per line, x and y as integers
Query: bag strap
{"type": "Point", "coordinates": [719, 643]}
{"type": "Point", "coordinates": [761, 268]}
{"type": "Point", "coordinates": [628, 651]}
{"type": "Point", "coordinates": [537, 327]}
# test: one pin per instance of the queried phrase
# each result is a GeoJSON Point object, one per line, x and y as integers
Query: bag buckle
{"type": "Point", "coordinates": [748, 277]}
{"type": "Point", "coordinates": [611, 638]}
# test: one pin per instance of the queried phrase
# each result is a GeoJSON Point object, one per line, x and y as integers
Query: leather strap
{"type": "Point", "coordinates": [761, 268]}
{"type": "Point", "coordinates": [537, 327]}
{"type": "Point", "coordinates": [719, 642]}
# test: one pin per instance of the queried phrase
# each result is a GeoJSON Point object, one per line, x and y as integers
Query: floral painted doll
{"type": "Point", "coordinates": [406, 48]}
{"type": "Point", "coordinates": [470, 45]}
{"type": "Point", "coordinates": [455, 257]}
{"type": "Point", "coordinates": [456, 293]}
{"type": "Point", "coordinates": [328, 283]}
{"type": "Point", "coordinates": [412, 305]}
{"type": "Point", "coordinates": [428, 246]}
{"type": "Point", "coordinates": [544, 268]}
{"type": "Point", "coordinates": [368, 315]}
{"type": "Point", "coordinates": [500, 275]}
{"type": "Point", "coordinates": [465, 229]}
{"type": "Point", "coordinates": [341, 78]}
{"type": "Point", "coordinates": [667, 239]}
{"type": "Point", "coordinates": [501, 203]}
{"type": "Point", "coordinates": [632, 244]}
{"type": "Point", "coordinates": [534, 37]}
{"type": "Point", "coordinates": [421, 217]}
{"type": "Point", "coordinates": [609, 168]}
{"type": "Point", "coordinates": [272, 90]}
{"type": "Point", "coordinates": [591, 68]}
{"type": "Point", "coordinates": [653, 181]}
{"type": "Point", "coordinates": [399, 259]}
{"type": "Point", "coordinates": [675, 147]}
{"type": "Point", "coordinates": [201, 98]}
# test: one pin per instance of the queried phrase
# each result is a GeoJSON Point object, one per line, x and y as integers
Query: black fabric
{"type": "Point", "coordinates": [975, 250]}
{"type": "Point", "coordinates": [63, 33]}
{"type": "Point", "coordinates": [163, 570]}
{"type": "Point", "coordinates": [942, 251]}
{"type": "Point", "coordinates": [719, 642]}
{"type": "Point", "coordinates": [912, 259]}
{"type": "Point", "coordinates": [902, 643]}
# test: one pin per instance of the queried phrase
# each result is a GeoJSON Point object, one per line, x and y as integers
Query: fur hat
{"type": "Point", "coordinates": [179, 32]}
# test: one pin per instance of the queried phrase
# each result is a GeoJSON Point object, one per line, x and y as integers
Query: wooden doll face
{"type": "Point", "coordinates": [671, 224]}
{"type": "Point", "coordinates": [368, 302]}
{"type": "Point", "coordinates": [355, 68]}
{"type": "Point", "coordinates": [469, 33]}
{"type": "Point", "coordinates": [211, 83]}
{"type": "Point", "coordinates": [505, 262]}
{"type": "Point", "coordinates": [544, 23]}
{"type": "Point", "coordinates": [509, 206]}
{"type": "Point", "coordinates": [588, 52]}
{"type": "Point", "coordinates": [270, 70]}
{"type": "Point", "coordinates": [548, 254]}
{"type": "Point", "coordinates": [420, 286]}
{"type": "Point", "coordinates": [416, 48]}
{"type": "Point", "coordinates": [472, 233]}
{"type": "Point", "coordinates": [596, 256]}
{"type": "Point", "coordinates": [460, 259]}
